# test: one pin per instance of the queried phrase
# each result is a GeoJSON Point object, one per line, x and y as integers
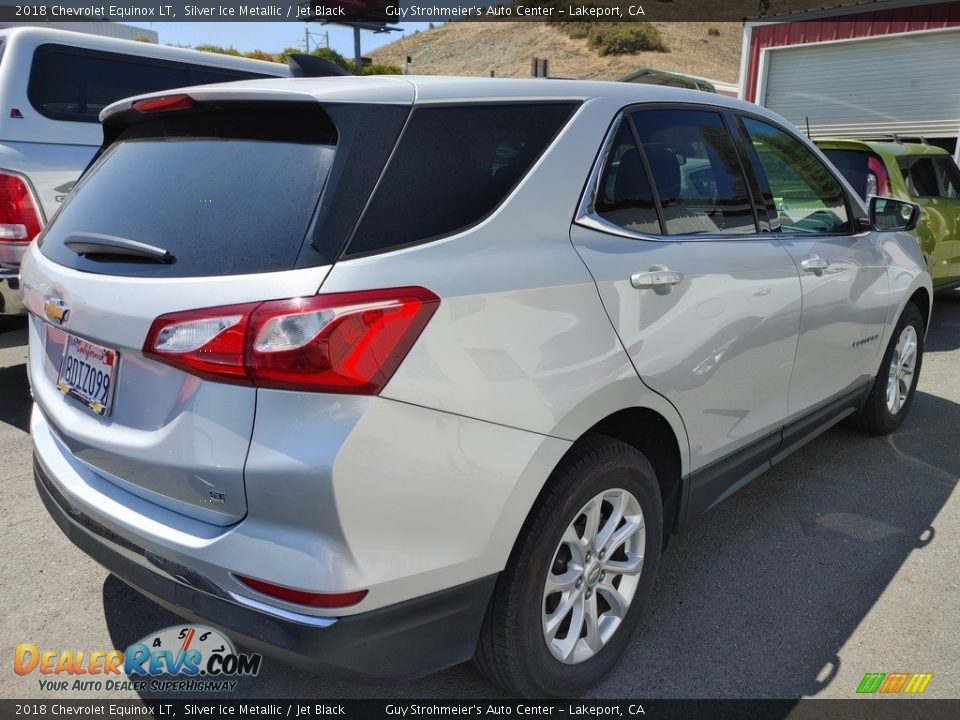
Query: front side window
{"type": "Point", "coordinates": [696, 172]}
{"type": "Point", "coordinates": [808, 198]}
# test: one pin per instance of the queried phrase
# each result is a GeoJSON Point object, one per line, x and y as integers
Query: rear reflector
{"type": "Point", "coordinates": [302, 597]}
{"type": "Point", "coordinates": [337, 343]}
{"type": "Point", "coordinates": [164, 104]}
{"type": "Point", "coordinates": [19, 217]}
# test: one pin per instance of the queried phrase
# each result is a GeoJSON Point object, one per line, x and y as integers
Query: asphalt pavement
{"type": "Point", "coordinates": [842, 560]}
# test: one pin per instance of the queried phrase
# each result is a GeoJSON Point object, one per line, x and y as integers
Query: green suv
{"type": "Point", "coordinates": [924, 174]}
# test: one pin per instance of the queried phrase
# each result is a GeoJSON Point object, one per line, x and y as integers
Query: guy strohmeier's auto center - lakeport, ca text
{"type": "Point", "coordinates": [462, 10]}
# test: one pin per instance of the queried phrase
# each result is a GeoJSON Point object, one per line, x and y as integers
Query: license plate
{"type": "Point", "coordinates": [87, 373]}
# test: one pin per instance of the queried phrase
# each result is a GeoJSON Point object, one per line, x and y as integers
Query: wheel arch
{"type": "Point", "coordinates": [924, 301]}
{"type": "Point", "coordinates": [650, 433]}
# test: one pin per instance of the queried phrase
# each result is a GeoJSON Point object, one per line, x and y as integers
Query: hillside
{"type": "Point", "coordinates": [476, 48]}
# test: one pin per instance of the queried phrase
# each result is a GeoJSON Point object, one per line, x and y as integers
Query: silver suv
{"type": "Point", "coordinates": [382, 374]}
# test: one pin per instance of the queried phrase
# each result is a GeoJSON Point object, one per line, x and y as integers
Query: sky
{"type": "Point", "coordinates": [270, 36]}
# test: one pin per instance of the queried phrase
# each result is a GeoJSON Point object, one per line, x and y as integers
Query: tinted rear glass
{"type": "Point", "coordinates": [220, 206]}
{"type": "Point", "coordinates": [696, 172]}
{"type": "Point", "coordinates": [453, 166]}
{"type": "Point", "coordinates": [76, 84]}
{"type": "Point", "coordinates": [852, 164]}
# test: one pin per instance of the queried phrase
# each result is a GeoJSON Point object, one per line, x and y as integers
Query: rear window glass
{"type": "Point", "coordinates": [219, 206]}
{"type": "Point", "coordinates": [852, 164]}
{"type": "Point", "coordinates": [453, 166]}
{"type": "Point", "coordinates": [76, 84]}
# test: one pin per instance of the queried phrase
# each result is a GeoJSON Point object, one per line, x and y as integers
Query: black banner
{"type": "Point", "coordinates": [858, 709]}
{"type": "Point", "coordinates": [396, 11]}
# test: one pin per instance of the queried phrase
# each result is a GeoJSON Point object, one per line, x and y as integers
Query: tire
{"type": "Point", "coordinates": [881, 414]}
{"type": "Point", "coordinates": [513, 650]}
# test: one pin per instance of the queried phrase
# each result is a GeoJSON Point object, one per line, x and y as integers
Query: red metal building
{"type": "Point", "coordinates": [864, 69]}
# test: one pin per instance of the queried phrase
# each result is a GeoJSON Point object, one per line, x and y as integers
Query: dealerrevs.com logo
{"type": "Point", "coordinates": [894, 683]}
{"type": "Point", "coordinates": [199, 658]}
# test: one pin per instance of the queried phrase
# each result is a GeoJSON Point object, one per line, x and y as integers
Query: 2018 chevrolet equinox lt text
{"type": "Point", "coordinates": [381, 374]}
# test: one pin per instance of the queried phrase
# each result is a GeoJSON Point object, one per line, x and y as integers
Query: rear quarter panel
{"type": "Point", "coordinates": [521, 337]}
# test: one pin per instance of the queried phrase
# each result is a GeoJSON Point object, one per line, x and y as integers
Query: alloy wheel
{"type": "Point", "coordinates": [903, 364]}
{"type": "Point", "coordinates": [593, 576]}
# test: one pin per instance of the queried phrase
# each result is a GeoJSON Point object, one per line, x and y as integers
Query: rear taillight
{"type": "Point", "coordinates": [338, 343]}
{"type": "Point", "coordinates": [19, 216]}
{"type": "Point", "coordinates": [878, 183]}
{"type": "Point", "coordinates": [303, 597]}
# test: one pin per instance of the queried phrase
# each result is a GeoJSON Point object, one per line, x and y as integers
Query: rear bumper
{"type": "Point", "coordinates": [406, 640]}
{"type": "Point", "coordinates": [11, 301]}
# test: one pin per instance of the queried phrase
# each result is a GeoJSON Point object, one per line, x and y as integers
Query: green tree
{"type": "Point", "coordinates": [381, 69]}
{"type": "Point", "coordinates": [334, 57]}
{"type": "Point", "coordinates": [260, 55]}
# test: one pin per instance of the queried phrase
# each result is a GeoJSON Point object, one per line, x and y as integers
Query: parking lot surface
{"type": "Point", "coordinates": [842, 560]}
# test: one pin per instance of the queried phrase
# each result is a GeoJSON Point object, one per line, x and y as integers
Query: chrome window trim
{"type": "Point", "coordinates": [588, 217]}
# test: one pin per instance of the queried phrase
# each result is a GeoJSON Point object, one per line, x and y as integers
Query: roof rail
{"type": "Point", "coordinates": [895, 137]}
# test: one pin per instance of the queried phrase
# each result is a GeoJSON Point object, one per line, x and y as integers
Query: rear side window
{"type": "Point", "coordinates": [931, 176]}
{"type": "Point", "coordinates": [808, 198]}
{"type": "Point", "coordinates": [696, 172]}
{"type": "Point", "coordinates": [454, 165]}
{"type": "Point", "coordinates": [949, 178]}
{"type": "Point", "coordinates": [220, 204]}
{"type": "Point", "coordinates": [76, 84]}
{"type": "Point", "coordinates": [624, 196]}
{"type": "Point", "coordinates": [920, 175]}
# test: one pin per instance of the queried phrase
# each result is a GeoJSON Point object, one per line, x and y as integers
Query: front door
{"type": "Point", "coordinates": [842, 270]}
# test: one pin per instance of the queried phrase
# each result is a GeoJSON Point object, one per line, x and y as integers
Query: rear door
{"type": "Point", "coordinates": [706, 305]}
{"type": "Point", "coordinates": [949, 175]}
{"type": "Point", "coordinates": [934, 181]}
{"type": "Point", "coordinates": [226, 203]}
{"type": "Point", "coordinates": [842, 271]}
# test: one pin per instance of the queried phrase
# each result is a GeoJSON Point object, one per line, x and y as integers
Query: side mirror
{"type": "Point", "coordinates": [887, 214]}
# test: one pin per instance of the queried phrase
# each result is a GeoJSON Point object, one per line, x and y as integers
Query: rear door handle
{"type": "Point", "coordinates": [815, 264]}
{"type": "Point", "coordinates": [655, 278]}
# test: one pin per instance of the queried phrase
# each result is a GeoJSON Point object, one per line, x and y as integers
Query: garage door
{"type": "Point", "coordinates": [909, 84]}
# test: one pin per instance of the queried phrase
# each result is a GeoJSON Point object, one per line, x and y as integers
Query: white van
{"type": "Point", "coordinates": [53, 85]}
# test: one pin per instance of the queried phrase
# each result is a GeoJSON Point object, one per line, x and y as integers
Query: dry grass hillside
{"type": "Point", "coordinates": [476, 48]}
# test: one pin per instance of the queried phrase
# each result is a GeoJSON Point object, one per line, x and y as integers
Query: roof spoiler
{"type": "Point", "coordinates": [302, 65]}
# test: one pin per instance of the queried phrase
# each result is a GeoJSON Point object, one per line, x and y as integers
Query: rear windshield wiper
{"type": "Point", "coordinates": [95, 244]}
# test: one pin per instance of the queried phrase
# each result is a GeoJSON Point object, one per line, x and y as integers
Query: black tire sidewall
{"type": "Point", "coordinates": [880, 420]}
{"type": "Point", "coordinates": [548, 675]}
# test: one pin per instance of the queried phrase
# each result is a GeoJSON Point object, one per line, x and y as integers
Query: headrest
{"type": "Point", "coordinates": [665, 168]}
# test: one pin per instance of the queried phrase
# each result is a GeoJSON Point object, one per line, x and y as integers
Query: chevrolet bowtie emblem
{"type": "Point", "coordinates": [56, 310]}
